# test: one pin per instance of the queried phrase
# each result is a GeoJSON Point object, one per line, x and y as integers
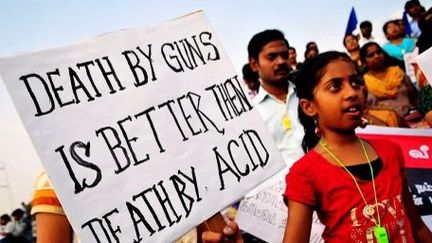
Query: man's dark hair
{"type": "Point", "coordinates": [411, 3]}
{"type": "Point", "coordinates": [292, 48]}
{"type": "Point", "coordinates": [260, 39]}
{"type": "Point", "coordinates": [365, 24]}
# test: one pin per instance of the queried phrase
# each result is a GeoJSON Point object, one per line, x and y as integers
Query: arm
{"type": "Point", "coordinates": [420, 231]}
{"type": "Point", "coordinates": [299, 223]}
{"type": "Point", "coordinates": [230, 233]}
{"type": "Point", "coordinates": [52, 228]}
{"type": "Point", "coordinates": [412, 92]}
{"type": "Point", "coordinates": [428, 118]}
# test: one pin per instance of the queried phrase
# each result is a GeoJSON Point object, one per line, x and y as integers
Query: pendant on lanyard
{"type": "Point", "coordinates": [286, 122]}
{"type": "Point", "coordinates": [379, 231]}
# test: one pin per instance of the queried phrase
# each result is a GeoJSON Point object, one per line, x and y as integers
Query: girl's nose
{"type": "Point", "coordinates": [351, 92]}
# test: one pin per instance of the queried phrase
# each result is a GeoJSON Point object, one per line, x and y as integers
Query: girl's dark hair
{"type": "Point", "coordinates": [389, 61]}
{"type": "Point", "coordinates": [307, 79]}
{"type": "Point", "coordinates": [346, 36]}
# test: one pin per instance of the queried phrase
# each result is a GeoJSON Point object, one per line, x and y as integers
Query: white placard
{"type": "Point", "coordinates": [424, 60]}
{"type": "Point", "coordinates": [264, 215]}
{"type": "Point", "coordinates": [409, 59]}
{"type": "Point", "coordinates": [144, 132]}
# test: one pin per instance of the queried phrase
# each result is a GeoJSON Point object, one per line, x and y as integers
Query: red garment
{"type": "Point", "coordinates": [331, 191]}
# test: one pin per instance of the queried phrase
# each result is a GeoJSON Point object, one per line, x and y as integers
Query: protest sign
{"type": "Point", "coordinates": [409, 60]}
{"type": "Point", "coordinates": [424, 60]}
{"type": "Point", "coordinates": [144, 132]}
{"type": "Point", "coordinates": [264, 215]}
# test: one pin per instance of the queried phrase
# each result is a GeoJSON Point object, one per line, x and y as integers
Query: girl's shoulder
{"type": "Point", "coordinates": [384, 147]}
{"type": "Point", "coordinates": [309, 163]}
{"type": "Point", "coordinates": [387, 150]}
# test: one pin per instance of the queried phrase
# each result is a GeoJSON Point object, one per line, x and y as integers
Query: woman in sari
{"type": "Point", "coordinates": [388, 85]}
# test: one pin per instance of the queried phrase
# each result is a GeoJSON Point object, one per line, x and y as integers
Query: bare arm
{"type": "Point", "coordinates": [52, 228]}
{"type": "Point", "coordinates": [412, 92]}
{"type": "Point", "coordinates": [428, 118]}
{"type": "Point", "coordinates": [299, 223]}
{"type": "Point", "coordinates": [420, 231]}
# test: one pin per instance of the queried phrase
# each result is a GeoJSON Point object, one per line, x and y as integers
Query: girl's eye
{"type": "Point", "coordinates": [334, 86]}
{"type": "Point", "coordinates": [357, 82]}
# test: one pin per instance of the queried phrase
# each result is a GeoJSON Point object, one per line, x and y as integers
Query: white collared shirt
{"type": "Point", "coordinates": [273, 111]}
{"type": "Point", "coordinates": [363, 40]}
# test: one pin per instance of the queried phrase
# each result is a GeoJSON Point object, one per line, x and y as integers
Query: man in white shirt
{"type": "Point", "coordinates": [366, 33]}
{"type": "Point", "coordinates": [20, 226]}
{"type": "Point", "coordinates": [6, 226]}
{"type": "Point", "coordinates": [276, 100]}
{"type": "Point", "coordinates": [277, 104]}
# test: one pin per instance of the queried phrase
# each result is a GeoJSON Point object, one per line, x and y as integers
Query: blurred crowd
{"type": "Point", "coordinates": [398, 92]}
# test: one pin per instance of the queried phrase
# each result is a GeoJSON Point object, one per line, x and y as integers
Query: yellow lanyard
{"type": "Point", "coordinates": [325, 147]}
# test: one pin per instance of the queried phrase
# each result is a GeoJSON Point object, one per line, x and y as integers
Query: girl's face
{"type": "Point", "coordinates": [351, 43]}
{"type": "Point", "coordinates": [375, 58]}
{"type": "Point", "coordinates": [339, 98]}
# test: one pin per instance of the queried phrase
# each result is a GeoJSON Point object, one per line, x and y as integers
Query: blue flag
{"type": "Point", "coordinates": [406, 24]}
{"type": "Point", "coordinates": [352, 22]}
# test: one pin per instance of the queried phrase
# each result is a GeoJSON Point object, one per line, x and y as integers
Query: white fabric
{"type": "Point", "coordinates": [363, 40]}
{"type": "Point", "coordinates": [272, 112]}
{"type": "Point", "coordinates": [252, 210]}
{"type": "Point", "coordinates": [415, 30]}
{"type": "Point", "coordinates": [18, 228]}
{"type": "Point", "coordinates": [8, 228]}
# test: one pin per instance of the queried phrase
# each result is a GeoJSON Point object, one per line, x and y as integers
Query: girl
{"type": "Point", "coordinates": [352, 46]}
{"type": "Point", "coordinates": [356, 186]}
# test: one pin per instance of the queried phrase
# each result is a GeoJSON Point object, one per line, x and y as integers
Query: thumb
{"type": "Point", "coordinates": [211, 237]}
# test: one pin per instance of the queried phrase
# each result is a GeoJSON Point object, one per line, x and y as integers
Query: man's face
{"type": "Point", "coordinates": [366, 31]}
{"type": "Point", "coordinates": [393, 31]}
{"type": "Point", "coordinates": [414, 10]}
{"type": "Point", "coordinates": [292, 56]}
{"type": "Point", "coordinates": [272, 62]}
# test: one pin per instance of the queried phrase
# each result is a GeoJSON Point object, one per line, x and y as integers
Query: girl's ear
{"type": "Point", "coordinates": [308, 107]}
{"type": "Point", "coordinates": [253, 64]}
